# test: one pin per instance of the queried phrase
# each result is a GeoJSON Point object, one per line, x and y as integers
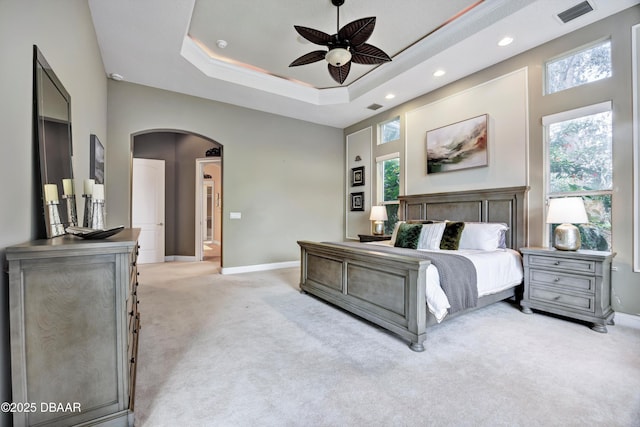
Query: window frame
{"type": "Point", "coordinates": [551, 119]}
{"type": "Point", "coordinates": [381, 133]}
{"type": "Point", "coordinates": [564, 55]}
{"type": "Point", "coordinates": [380, 179]}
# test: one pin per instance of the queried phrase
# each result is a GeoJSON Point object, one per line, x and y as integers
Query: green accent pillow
{"type": "Point", "coordinates": [408, 236]}
{"type": "Point", "coordinates": [451, 236]}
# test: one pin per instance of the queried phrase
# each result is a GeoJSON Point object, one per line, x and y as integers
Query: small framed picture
{"type": "Point", "coordinates": [357, 176]}
{"type": "Point", "coordinates": [357, 201]}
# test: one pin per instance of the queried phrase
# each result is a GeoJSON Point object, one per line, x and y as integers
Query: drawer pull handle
{"type": "Point", "coordinates": [556, 263]}
{"type": "Point", "coordinates": [133, 264]}
{"type": "Point", "coordinates": [557, 298]}
{"type": "Point", "coordinates": [131, 313]}
{"type": "Point", "coordinates": [133, 360]}
{"type": "Point", "coordinates": [557, 279]}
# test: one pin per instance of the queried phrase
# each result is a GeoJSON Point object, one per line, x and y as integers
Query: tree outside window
{"type": "Point", "coordinates": [580, 163]}
{"type": "Point", "coordinates": [578, 68]}
{"type": "Point", "coordinates": [389, 187]}
{"type": "Point", "coordinates": [389, 131]}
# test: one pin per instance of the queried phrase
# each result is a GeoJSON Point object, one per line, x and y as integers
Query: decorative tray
{"type": "Point", "coordinates": [92, 233]}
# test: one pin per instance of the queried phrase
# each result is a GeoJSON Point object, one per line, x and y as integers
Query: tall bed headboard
{"type": "Point", "coordinates": [507, 205]}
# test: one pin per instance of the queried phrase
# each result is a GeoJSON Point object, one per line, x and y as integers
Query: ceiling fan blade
{"type": "Point", "coordinates": [340, 74]}
{"type": "Point", "coordinates": [368, 54]}
{"type": "Point", "coordinates": [358, 31]}
{"type": "Point", "coordinates": [314, 36]}
{"type": "Point", "coordinates": [308, 58]}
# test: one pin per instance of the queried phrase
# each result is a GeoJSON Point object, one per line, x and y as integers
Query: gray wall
{"type": "Point", "coordinates": [64, 32]}
{"type": "Point", "coordinates": [626, 283]}
{"type": "Point", "coordinates": [284, 176]}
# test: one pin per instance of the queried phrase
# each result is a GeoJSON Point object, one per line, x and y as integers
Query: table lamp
{"type": "Point", "coordinates": [378, 216]}
{"type": "Point", "coordinates": [566, 211]}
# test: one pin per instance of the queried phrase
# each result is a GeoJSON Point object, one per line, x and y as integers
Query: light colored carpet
{"type": "Point", "coordinates": [250, 350]}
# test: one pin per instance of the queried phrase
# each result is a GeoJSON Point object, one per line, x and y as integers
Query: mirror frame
{"type": "Point", "coordinates": [54, 162]}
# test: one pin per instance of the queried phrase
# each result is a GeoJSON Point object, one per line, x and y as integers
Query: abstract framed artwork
{"type": "Point", "coordinates": [357, 176]}
{"type": "Point", "coordinates": [460, 145]}
{"type": "Point", "coordinates": [96, 160]}
{"type": "Point", "coordinates": [357, 201]}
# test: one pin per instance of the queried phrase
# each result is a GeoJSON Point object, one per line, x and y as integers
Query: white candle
{"type": "Point", "coordinates": [88, 186]}
{"type": "Point", "coordinates": [98, 191]}
{"type": "Point", "coordinates": [50, 193]}
{"type": "Point", "coordinates": [67, 185]}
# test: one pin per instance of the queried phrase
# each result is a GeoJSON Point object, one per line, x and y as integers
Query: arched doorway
{"type": "Point", "coordinates": [180, 151]}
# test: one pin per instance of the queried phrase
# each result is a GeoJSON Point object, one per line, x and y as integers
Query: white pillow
{"type": "Point", "coordinates": [430, 236]}
{"type": "Point", "coordinates": [482, 235]}
{"type": "Point", "coordinates": [394, 234]}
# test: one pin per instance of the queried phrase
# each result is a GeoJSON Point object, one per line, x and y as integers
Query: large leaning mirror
{"type": "Point", "coordinates": [52, 140]}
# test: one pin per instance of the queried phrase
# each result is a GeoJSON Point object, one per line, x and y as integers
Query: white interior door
{"type": "Point", "coordinates": [147, 208]}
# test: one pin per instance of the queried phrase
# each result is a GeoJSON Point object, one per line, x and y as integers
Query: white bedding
{"type": "Point", "coordinates": [496, 271]}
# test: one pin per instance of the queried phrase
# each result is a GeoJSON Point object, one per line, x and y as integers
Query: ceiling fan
{"type": "Point", "coordinates": [346, 46]}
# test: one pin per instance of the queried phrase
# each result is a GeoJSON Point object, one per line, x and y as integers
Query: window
{"type": "Point", "coordinates": [579, 162]}
{"type": "Point", "coordinates": [389, 187]}
{"type": "Point", "coordinates": [578, 68]}
{"type": "Point", "coordinates": [389, 131]}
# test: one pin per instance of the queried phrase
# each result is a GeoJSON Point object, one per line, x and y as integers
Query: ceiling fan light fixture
{"type": "Point", "coordinates": [345, 47]}
{"type": "Point", "coordinates": [338, 56]}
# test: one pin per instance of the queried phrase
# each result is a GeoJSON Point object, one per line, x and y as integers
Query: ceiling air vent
{"type": "Point", "coordinates": [575, 11]}
{"type": "Point", "coordinates": [374, 107]}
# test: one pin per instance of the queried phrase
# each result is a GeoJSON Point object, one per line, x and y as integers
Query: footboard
{"type": "Point", "coordinates": [386, 289]}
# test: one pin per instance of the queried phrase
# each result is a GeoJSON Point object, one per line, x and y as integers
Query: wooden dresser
{"type": "Point", "coordinates": [74, 330]}
{"type": "Point", "coordinates": [574, 284]}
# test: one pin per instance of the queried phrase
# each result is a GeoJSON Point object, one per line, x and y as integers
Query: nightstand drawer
{"type": "Point", "coordinates": [562, 300]}
{"type": "Point", "coordinates": [578, 265]}
{"type": "Point", "coordinates": [555, 279]}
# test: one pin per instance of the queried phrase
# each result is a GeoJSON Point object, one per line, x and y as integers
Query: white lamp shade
{"type": "Point", "coordinates": [338, 56]}
{"type": "Point", "coordinates": [567, 210]}
{"type": "Point", "coordinates": [378, 213]}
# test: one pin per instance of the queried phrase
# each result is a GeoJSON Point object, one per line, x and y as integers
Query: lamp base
{"type": "Point", "coordinates": [378, 227]}
{"type": "Point", "coordinates": [566, 237]}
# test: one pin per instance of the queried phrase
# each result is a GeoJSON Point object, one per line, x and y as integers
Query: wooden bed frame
{"type": "Point", "coordinates": [389, 289]}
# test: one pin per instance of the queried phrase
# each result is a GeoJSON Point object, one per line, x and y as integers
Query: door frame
{"type": "Point", "coordinates": [200, 163]}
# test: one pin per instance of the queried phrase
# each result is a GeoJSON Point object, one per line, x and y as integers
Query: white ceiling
{"type": "Point", "coordinates": [171, 45]}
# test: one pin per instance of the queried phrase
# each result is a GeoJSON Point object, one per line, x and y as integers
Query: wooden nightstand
{"type": "Point", "coordinates": [373, 237]}
{"type": "Point", "coordinates": [575, 284]}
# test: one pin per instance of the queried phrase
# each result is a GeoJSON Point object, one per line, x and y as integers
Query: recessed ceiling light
{"type": "Point", "coordinates": [221, 44]}
{"type": "Point", "coordinates": [390, 96]}
{"type": "Point", "coordinates": [439, 73]}
{"type": "Point", "coordinates": [505, 41]}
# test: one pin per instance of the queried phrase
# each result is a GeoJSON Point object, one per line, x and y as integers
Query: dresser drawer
{"type": "Point", "coordinates": [584, 303]}
{"type": "Point", "coordinates": [567, 281]}
{"type": "Point", "coordinates": [577, 265]}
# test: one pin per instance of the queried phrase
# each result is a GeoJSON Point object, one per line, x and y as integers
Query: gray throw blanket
{"type": "Point", "coordinates": [458, 278]}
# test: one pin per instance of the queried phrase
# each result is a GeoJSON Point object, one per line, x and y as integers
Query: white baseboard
{"type": "Point", "coordinates": [180, 258]}
{"type": "Point", "coordinates": [259, 267]}
{"type": "Point", "coordinates": [630, 320]}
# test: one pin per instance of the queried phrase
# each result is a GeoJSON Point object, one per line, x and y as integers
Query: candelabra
{"type": "Point", "coordinates": [72, 214]}
{"type": "Point", "coordinates": [52, 217]}
{"type": "Point", "coordinates": [88, 210]}
{"type": "Point", "coordinates": [97, 213]}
